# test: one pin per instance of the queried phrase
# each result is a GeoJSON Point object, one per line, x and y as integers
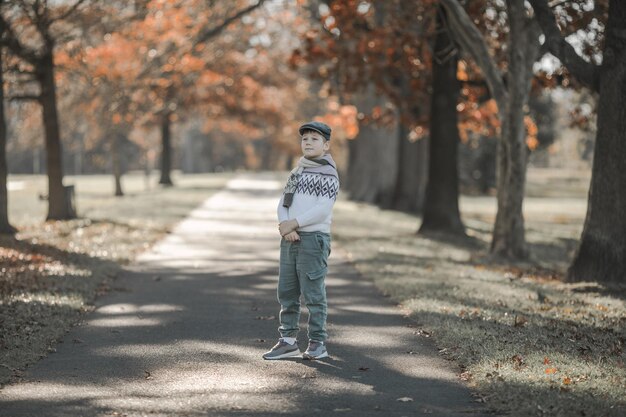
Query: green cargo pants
{"type": "Point", "coordinates": [303, 266]}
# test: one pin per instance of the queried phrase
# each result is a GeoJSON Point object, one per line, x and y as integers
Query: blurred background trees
{"type": "Point", "coordinates": [427, 99]}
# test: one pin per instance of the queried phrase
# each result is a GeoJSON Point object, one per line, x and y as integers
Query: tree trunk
{"type": "Point", "coordinates": [372, 171]}
{"type": "Point", "coordinates": [412, 170]}
{"type": "Point", "coordinates": [5, 226]}
{"type": "Point", "coordinates": [116, 164]}
{"type": "Point", "coordinates": [508, 239]}
{"type": "Point", "coordinates": [601, 255]}
{"type": "Point", "coordinates": [166, 150]}
{"type": "Point", "coordinates": [441, 206]}
{"type": "Point", "coordinates": [58, 207]}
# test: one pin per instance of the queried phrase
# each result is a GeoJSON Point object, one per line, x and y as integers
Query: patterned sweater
{"type": "Point", "coordinates": [313, 200]}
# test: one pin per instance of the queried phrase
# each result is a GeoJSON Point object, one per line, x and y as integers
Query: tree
{"type": "Point", "coordinates": [373, 154]}
{"type": "Point", "coordinates": [601, 254]}
{"type": "Point", "coordinates": [5, 226]}
{"type": "Point", "coordinates": [376, 49]}
{"type": "Point", "coordinates": [523, 48]}
{"type": "Point", "coordinates": [441, 208]}
{"type": "Point", "coordinates": [32, 30]}
{"type": "Point", "coordinates": [169, 69]}
{"type": "Point", "coordinates": [173, 90]}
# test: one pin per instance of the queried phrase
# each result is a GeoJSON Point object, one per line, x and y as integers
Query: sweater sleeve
{"type": "Point", "coordinates": [282, 212]}
{"type": "Point", "coordinates": [317, 213]}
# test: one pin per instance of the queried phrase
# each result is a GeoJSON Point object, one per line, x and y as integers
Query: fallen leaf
{"type": "Point", "coordinates": [551, 370]}
{"type": "Point", "coordinates": [518, 362]}
{"type": "Point", "coordinates": [266, 317]}
{"type": "Point", "coordinates": [566, 381]}
{"type": "Point", "coordinates": [364, 369]}
{"type": "Point", "coordinates": [466, 376]}
{"type": "Point", "coordinates": [546, 361]}
{"type": "Point", "coordinates": [405, 399]}
{"type": "Point", "coordinates": [520, 320]}
{"type": "Point", "coordinates": [148, 375]}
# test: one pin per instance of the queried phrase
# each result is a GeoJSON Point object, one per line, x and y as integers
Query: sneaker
{"type": "Point", "coordinates": [282, 350]}
{"type": "Point", "coordinates": [316, 350]}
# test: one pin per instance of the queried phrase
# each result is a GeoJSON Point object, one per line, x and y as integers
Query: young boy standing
{"type": "Point", "coordinates": [304, 216]}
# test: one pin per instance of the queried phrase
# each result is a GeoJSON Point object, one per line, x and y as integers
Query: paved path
{"type": "Point", "coordinates": [185, 334]}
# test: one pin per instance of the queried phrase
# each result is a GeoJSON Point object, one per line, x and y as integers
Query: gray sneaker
{"type": "Point", "coordinates": [282, 350]}
{"type": "Point", "coordinates": [316, 350]}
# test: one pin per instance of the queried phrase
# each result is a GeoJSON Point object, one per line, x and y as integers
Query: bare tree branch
{"type": "Point", "coordinates": [27, 11]}
{"type": "Point", "coordinates": [586, 72]}
{"type": "Point", "coordinates": [203, 37]}
{"type": "Point", "coordinates": [24, 81]}
{"type": "Point", "coordinates": [206, 35]}
{"type": "Point", "coordinates": [25, 97]}
{"type": "Point", "coordinates": [466, 34]}
{"type": "Point", "coordinates": [11, 41]}
{"type": "Point", "coordinates": [69, 11]}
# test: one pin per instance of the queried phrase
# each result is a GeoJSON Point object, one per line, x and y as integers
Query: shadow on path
{"type": "Point", "coordinates": [185, 334]}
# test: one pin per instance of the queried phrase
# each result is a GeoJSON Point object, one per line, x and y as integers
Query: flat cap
{"type": "Point", "coordinates": [320, 127]}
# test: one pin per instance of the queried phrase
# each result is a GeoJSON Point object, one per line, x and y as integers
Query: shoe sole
{"type": "Point", "coordinates": [294, 354]}
{"type": "Point", "coordinates": [310, 357]}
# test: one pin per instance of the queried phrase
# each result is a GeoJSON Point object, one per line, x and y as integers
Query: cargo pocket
{"type": "Point", "coordinates": [315, 275]}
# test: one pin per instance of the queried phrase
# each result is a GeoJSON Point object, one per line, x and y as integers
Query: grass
{"type": "Point", "coordinates": [52, 271]}
{"type": "Point", "coordinates": [525, 341]}
{"type": "Point", "coordinates": [528, 343]}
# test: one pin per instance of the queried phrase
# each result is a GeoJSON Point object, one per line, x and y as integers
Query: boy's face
{"type": "Point", "coordinates": [313, 144]}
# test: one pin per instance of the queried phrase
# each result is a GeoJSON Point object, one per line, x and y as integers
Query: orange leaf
{"type": "Point", "coordinates": [546, 361]}
{"type": "Point", "coordinates": [567, 381]}
{"type": "Point", "coordinates": [551, 370]}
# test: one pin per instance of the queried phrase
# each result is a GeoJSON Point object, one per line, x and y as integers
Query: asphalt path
{"type": "Point", "coordinates": [184, 331]}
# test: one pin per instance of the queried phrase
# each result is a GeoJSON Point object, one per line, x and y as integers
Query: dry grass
{"type": "Point", "coordinates": [51, 272]}
{"type": "Point", "coordinates": [528, 343]}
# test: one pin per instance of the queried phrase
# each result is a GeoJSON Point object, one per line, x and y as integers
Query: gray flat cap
{"type": "Point", "coordinates": [320, 127]}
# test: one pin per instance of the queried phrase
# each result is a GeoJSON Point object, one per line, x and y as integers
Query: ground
{"type": "Point", "coordinates": [52, 271]}
{"type": "Point", "coordinates": [529, 343]}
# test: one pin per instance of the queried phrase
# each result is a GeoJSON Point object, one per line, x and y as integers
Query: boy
{"type": "Point", "coordinates": [304, 216]}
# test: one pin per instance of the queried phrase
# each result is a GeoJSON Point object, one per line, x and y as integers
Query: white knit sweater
{"type": "Point", "coordinates": [313, 203]}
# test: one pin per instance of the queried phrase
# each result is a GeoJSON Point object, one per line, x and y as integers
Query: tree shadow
{"type": "Point", "coordinates": [207, 331]}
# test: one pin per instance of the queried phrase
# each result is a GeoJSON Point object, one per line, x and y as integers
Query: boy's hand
{"type": "Point", "coordinates": [287, 227]}
{"type": "Point", "coordinates": [292, 237]}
